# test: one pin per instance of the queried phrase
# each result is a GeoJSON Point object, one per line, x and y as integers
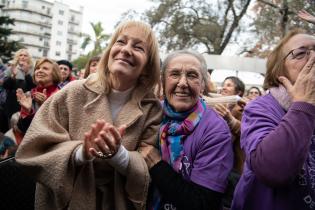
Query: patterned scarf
{"type": "Point", "coordinates": [175, 127]}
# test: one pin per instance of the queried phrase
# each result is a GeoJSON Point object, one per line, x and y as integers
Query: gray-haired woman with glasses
{"type": "Point", "coordinates": [278, 132]}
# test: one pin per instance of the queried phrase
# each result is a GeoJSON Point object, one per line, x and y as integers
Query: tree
{"type": "Point", "coordinates": [7, 47]}
{"type": "Point", "coordinates": [197, 24]}
{"type": "Point", "coordinates": [81, 61]}
{"type": "Point", "coordinates": [273, 19]}
{"type": "Point", "coordinates": [99, 39]}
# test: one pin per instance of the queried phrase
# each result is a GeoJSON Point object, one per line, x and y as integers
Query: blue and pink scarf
{"type": "Point", "coordinates": [174, 129]}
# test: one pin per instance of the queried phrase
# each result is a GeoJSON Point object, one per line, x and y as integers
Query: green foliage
{"type": "Point", "coordinates": [7, 47]}
{"type": "Point", "coordinates": [196, 24]}
{"type": "Point", "coordinates": [274, 18]}
{"type": "Point", "coordinates": [81, 61]}
{"type": "Point", "coordinates": [98, 39]}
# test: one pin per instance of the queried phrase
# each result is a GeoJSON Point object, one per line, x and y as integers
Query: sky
{"type": "Point", "coordinates": [109, 13]}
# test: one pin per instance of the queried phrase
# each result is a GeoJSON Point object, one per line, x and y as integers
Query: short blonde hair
{"type": "Point", "coordinates": [17, 55]}
{"type": "Point", "coordinates": [55, 73]}
{"type": "Point", "coordinates": [149, 78]}
{"type": "Point", "coordinates": [275, 61]}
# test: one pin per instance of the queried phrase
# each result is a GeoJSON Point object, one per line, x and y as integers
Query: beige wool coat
{"type": "Point", "coordinates": [47, 151]}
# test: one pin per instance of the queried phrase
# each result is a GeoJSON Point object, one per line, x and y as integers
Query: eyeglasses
{"type": "Point", "coordinates": [300, 53]}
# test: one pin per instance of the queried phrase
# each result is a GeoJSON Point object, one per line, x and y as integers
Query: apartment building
{"type": "Point", "coordinates": [47, 29]}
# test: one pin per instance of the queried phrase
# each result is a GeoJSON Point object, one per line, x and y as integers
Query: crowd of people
{"type": "Point", "coordinates": [140, 133]}
{"type": "Point", "coordinates": [24, 88]}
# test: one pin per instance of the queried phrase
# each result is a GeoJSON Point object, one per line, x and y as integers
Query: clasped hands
{"type": "Point", "coordinates": [102, 141]}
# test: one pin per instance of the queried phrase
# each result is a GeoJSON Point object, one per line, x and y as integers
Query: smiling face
{"type": "Point", "coordinates": [44, 74]}
{"type": "Point", "coordinates": [229, 88]}
{"type": "Point", "coordinates": [293, 65]}
{"type": "Point", "coordinates": [183, 82]}
{"type": "Point", "coordinates": [127, 58]}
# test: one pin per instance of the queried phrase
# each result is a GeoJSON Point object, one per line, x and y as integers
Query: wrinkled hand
{"type": "Point", "coordinates": [150, 154]}
{"type": "Point", "coordinates": [40, 98]}
{"type": "Point", "coordinates": [304, 15]}
{"type": "Point", "coordinates": [304, 87]}
{"type": "Point", "coordinates": [24, 99]}
{"type": "Point", "coordinates": [242, 102]}
{"type": "Point", "coordinates": [103, 137]}
{"type": "Point", "coordinates": [223, 111]}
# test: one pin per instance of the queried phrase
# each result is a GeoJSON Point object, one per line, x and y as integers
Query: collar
{"type": "Point", "coordinates": [93, 84]}
{"type": "Point", "coordinates": [282, 96]}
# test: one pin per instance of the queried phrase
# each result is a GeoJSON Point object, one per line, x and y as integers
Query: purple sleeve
{"type": "Point", "coordinates": [214, 159]}
{"type": "Point", "coordinates": [277, 143]}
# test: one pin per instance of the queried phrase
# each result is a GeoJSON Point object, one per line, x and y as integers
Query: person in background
{"type": "Point", "coordinates": [211, 85]}
{"type": "Point", "coordinates": [46, 77]}
{"type": "Point", "coordinates": [11, 139]}
{"type": "Point", "coordinates": [4, 126]}
{"type": "Point", "coordinates": [232, 114]}
{"type": "Point", "coordinates": [14, 133]}
{"type": "Point", "coordinates": [253, 92]}
{"type": "Point", "coordinates": [82, 144]}
{"type": "Point", "coordinates": [18, 76]}
{"type": "Point", "coordinates": [278, 132]}
{"type": "Point", "coordinates": [65, 71]}
{"type": "Point", "coordinates": [191, 165]}
{"type": "Point", "coordinates": [91, 66]}
{"type": "Point", "coordinates": [2, 70]}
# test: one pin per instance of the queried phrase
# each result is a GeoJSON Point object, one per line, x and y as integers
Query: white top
{"type": "Point", "coordinates": [117, 99]}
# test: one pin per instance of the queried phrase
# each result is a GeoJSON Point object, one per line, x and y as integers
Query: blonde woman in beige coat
{"type": "Point", "coordinates": [82, 144]}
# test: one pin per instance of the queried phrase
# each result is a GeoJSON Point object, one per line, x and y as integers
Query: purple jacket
{"type": "Point", "coordinates": [279, 172]}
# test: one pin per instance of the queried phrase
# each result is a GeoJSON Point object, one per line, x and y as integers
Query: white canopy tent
{"type": "Point", "coordinates": [250, 70]}
{"type": "Point", "coordinates": [236, 63]}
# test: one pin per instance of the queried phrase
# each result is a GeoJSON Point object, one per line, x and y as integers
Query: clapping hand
{"type": "Point", "coordinates": [223, 111]}
{"type": "Point", "coordinates": [102, 141]}
{"type": "Point", "coordinates": [24, 99]}
{"type": "Point", "coordinates": [40, 98]}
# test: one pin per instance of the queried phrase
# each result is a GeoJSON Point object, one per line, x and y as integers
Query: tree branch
{"type": "Point", "coordinates": [269, 3]}
{"type": "Point", "coordinates": [233, 26]}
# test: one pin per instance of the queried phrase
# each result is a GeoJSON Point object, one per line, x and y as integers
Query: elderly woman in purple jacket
{"type": "Point", "coordinates": [190, 170]}
{"type": "Point", "coordinates": [278, 132]}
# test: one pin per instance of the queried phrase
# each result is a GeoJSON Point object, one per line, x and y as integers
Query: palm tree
{"type": "Point", "coordinates": [99, 39]}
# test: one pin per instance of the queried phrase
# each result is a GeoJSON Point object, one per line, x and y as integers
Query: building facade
{"type": "Point", "coordinates": [46, 29]}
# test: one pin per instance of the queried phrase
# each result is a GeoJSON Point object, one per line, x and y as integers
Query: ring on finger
{"type": "Point", "coordinates": [104, 156]}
